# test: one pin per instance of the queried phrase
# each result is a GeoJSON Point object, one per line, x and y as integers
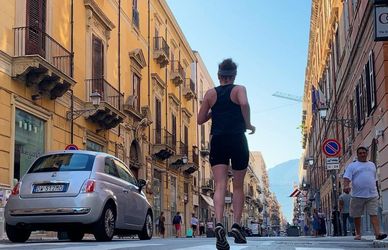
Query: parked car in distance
{"type": "Point", "coordinates": [79, 192]}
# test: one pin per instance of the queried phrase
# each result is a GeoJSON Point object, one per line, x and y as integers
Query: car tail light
{"type": "Point", "coordinates": [16, 189]}
{"type": "Point", "coordinates": [88, 186]}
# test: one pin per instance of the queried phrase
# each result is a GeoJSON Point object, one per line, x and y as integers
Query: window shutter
{"type": "Point", "coordinates": [357, 106]}
{"type": "Point", "coordinates": [372, 81]}
{"type": "Point", "coordinates": [36, 23]}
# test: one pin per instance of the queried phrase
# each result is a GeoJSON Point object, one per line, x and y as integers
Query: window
{"type": "Point", "coordinates": [135, 14]}
{"type": "Point", "coordinates": [370, 85]}
{"type": "Point", "coordinates": [124, 173]}
{"type": "Point", "coordinates": [36, 21]}
{"type": "Point", "coordinates": [110, 167]}
{"type": "Point", "coordinates": [30, 133]}
{"type": "Point", "coordinates": [93, 146]}
{"type": "Point", "coordinates": [158, 121]}
{"type": "Point", "coordinates": [63, 163]}
{"type": "Point", "coordinates": [173, 131]}
{"type": "Point", "coordinates": [136, 91]}
{"type": "Point", "coordinates": [360, 103]}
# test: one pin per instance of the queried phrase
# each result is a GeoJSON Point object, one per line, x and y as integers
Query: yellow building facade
{"type": "Point", "coordinates": [56, 56]}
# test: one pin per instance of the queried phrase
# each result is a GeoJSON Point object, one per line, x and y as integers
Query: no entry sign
{"type": "Point", "coordinates": [331, 147]}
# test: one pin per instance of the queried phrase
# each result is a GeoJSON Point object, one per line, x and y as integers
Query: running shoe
{"type": "Point", "coordinates": [237, 233]}
{"type": "Point", "coordinates": [222, 242]}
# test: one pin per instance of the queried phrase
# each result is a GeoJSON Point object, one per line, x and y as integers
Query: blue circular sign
{"type": "Point", "coordinates": [71, 147]}
{"type": "Point", "coordinates": [331, 147]}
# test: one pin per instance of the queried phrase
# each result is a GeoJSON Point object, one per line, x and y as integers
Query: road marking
{"type": "Point", "coordinates": [210, 247]}
{"type": "Point", "coordinates": [75, 246]}
{"type": "Point", "coordinates": [313, 248]}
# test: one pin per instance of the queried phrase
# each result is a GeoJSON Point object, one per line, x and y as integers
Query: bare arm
{"type": "Point", "coordinates": [346, 184]}
{"type": "Point", "coordinates": [204, 113]}
{"type": "Point", "coordinates": [245, 109]}
{"type": "Point", "coordinates": [341, 205]}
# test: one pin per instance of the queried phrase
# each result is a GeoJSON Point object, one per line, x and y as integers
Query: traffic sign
{"type": "Point", "coordinates": [332, 160]}
{"type": "Point", "coordinates": [332, 166]}
{"type": "Point", "coordinates": [331, 147]}
{"type": "Point", "coordinates": [71, 147]}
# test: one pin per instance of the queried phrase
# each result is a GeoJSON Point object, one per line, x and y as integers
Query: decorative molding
{"type": "Point", "coordinates": [158, 85]}
{"type": "Point", "coordinates": [93, 6]}
{"type": "Point", "coordinates": [5, 63]}
{"type": "Point", "coordinates": [174, 100]}
{"type": "Point", "coordinates": [186, 115]}
{"type": "Point", "coordinates": [137, 57]}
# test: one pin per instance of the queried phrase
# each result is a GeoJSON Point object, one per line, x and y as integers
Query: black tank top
{"type": "Point", "coordinates": [226, 115]}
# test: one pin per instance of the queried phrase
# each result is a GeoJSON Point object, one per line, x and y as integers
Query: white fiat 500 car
{"type": "Point", "coordinates": [79, 192]}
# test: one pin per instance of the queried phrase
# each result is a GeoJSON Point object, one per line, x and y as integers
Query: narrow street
{"type": "Point", "coordinates": [281, 243]}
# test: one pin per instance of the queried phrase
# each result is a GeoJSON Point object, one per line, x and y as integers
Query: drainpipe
{"type": "Point", "coordinates": [149, 70]}
{"type": "Point", "coordinates": [71, 69]}
{"type": "Point", "coordinates": [118, 63]}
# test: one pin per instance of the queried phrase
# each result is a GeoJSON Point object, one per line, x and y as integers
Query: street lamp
{"type": "Point", "coordinates": [185, 159]}
{"type": "Point", "coordinates": [95, 97]}
{"type": "Point", "coordinates": [349, 123]}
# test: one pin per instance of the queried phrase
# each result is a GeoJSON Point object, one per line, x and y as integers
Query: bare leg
{"type": "Point", "coordinates": [238, 194]}
{"type": "Point", "coordinates": [357, 225]}
{"type": "Point", "coordinates": [375, 223]}
{"type": "Point", "coordinates": [220, 173]}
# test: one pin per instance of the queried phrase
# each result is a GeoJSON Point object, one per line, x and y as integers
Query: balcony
{"type": "Point", "coordinates": [182, 151]}
{"type": "Point", "coordinates": [161, 51]}
{"type": "Point", "coordinates": [132, 107]}
{"type": "Point", "coordinates": [189, 89]}
{"type": "Point", "coordinates": [193, 162]}
{"type": "Point", "coordinates": [207, 185]}
{"type": "Point", "coordinates": [41, 62]}
{"type": "Point", "coordinates": [135, 18]}
{"type": "Point", "coordinates": [248, 193]}
{"type": "Point", "coordinates": [205, 149]}
{"type": "Point", "coordinates": [164, 144]}
{"type": "Point", "coordinates": [109, 113]}
{"type": "Point", "coordinates": [177, 74]}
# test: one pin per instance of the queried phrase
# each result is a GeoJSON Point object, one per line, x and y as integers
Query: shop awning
{"type": "Point", "coordinates": [295, 193]}
{"type": "Point", "coordinates": [208, 200]}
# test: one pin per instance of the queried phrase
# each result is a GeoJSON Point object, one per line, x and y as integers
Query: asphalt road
{"type": "Point", "coordinates": [272, 243]}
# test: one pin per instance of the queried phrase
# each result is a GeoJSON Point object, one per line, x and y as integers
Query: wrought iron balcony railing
{"type": "Point", "coordinates": [162, 136]}
{"type": "Point", "coordinates": [33, 41]}
{"type": "Point", "coordinates": [108, 93]}
{"type": "Point", "coordinates": [161, 44]}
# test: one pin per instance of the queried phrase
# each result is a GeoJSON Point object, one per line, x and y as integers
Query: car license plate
{"type": "Point", "coordinates": [49, 188]}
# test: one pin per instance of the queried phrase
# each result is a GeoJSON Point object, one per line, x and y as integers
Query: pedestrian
{"type": "Point", "coordinates": [194, 224]}
{"type": "Point", "coordinates": [201, 228]}
{"type": "Point", "coordinates": [344, 204]}
{"type": "Point", "coordinates": [162, 228]}
{"type": "Point", "coordinates": [316, 222]}
{"type": "Point", "coordinates": [228, 108]}
{"type": "Point", "coordinates": [362, 175]}
{"type": "Point", "coordinates": [177, 220]}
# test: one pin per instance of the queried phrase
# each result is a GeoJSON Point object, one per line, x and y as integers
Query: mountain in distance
{"type": "Point", "coordinates": [281, 182]}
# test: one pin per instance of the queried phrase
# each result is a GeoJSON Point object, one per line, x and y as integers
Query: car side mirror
{"type": "Point", "coordinates": [141, 183]}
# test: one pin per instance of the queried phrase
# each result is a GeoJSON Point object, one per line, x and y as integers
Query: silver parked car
{"type": "Point", "coordinates": [79, 192]}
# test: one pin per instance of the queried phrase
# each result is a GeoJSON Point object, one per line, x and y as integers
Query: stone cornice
{"type": "Point", "coordinates": [91, 4]}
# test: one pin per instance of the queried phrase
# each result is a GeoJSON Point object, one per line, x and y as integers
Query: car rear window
{"type": "Point", "coordinates": [62, 163]}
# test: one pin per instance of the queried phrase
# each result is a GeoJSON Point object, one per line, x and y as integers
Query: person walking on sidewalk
{"type": "Point", "coordinates": [228, 108]}
{"type": "Point", "coordinates": [344, 204]}
{"type": "Point", "coordinates": [362, 175]}
{"type": "Point", "coordinates": [194, 224]}
{"type": "Point", "coordinates": [177, 221]}
{"type": "Point", "coordinates": [162, 228]}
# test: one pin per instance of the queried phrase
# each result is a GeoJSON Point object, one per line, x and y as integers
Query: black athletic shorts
{"type": "Point", "coordinates": [232, 147]}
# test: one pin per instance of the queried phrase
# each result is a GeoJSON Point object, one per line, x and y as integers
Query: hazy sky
{"type": "Point", "coordinates": [269, 42]}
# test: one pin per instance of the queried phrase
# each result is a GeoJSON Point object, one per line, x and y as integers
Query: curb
{"type": "Point", "coordinates": [380, 243]}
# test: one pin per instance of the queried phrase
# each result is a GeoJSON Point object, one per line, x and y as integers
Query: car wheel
{"type": "Point", "coordinates": [75, 235]}
{"type": "Point", "coordinates": [105, 226]}
{"type": "Point", "coordinates": [17, 234]}
{"type": "Point", "coordinates": [146, 232]}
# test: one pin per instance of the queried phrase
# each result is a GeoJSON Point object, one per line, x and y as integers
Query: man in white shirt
{"type": "Point", "coordinates": [362, 175]}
